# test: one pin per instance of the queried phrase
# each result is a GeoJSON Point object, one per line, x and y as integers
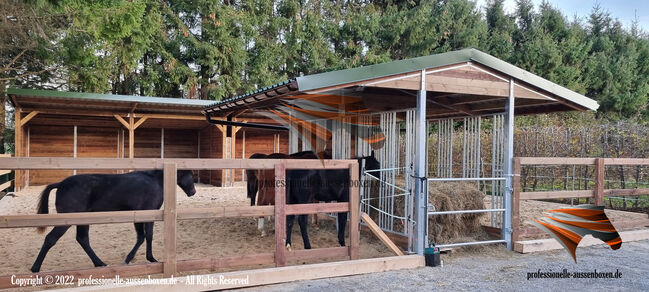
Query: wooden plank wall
{"type": "Point", "coordinates": [58, 141]}
{"type": "Point", "coordinates": [180, 143]}
{"type": "Point", "coordinates": [147, 143]}
{"type": "Point", "coordinates": [257, 141]}
{"type": "Point", "coordinates": [211, 147]}
{"type": "Point", "coordinates": [96, 142]}
{"type": "Point", "coordinates": [50, 141]}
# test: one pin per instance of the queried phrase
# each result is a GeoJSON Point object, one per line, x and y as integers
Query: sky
{"type": "Point", "coordinates": [624, 10]}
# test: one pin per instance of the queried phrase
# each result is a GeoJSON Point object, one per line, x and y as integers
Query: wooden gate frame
{"type": "Point", "coordinates": [170, 215]}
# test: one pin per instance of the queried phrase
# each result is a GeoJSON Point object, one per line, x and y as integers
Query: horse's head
{"type": "Point", "coordinates": [185, 181]}
{"type": "Point", "coordinates": [370, 162]}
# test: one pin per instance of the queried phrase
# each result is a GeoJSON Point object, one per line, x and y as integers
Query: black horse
{"type": "Point", "coordinates": [305, 186]}
{"type": "Point", "coordinates": [255, 177]}
{"type": "Point", "coordinates": [139, 190]}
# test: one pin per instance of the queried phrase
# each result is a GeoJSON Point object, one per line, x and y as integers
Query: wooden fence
{"type": "Point", "coordinates": [598, 193]}
{"type": "Point", "coordinates": [169, 214]}
{"type": "Point", "coordinates": [4, 173]}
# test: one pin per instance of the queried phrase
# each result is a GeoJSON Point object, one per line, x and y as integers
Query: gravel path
{"type": "Point", "coordinates": [502, 271]}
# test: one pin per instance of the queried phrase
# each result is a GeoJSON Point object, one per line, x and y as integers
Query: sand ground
{"type": "Point", "coordinates": [196, 238]}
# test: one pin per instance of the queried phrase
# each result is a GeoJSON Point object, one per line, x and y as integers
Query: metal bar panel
{"type": "Point", "coordinates": [470, 243]}
{"type": "Point", "coordinates": [465, 211]}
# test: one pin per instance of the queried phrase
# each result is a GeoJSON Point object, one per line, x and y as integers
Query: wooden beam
{"type": "Point", "coordinates": [626, 161]}
{"type": "Point", "coordinates": [626, 192]}
{"type": "Point", "coordinates": [380, 234]}
{"type": "Point", "coordinates": [317, 253]}
{"type": "Point", "coordinates": [131, 135]}
{"type": "Point", "coordinates": [528, 246]}
{"type": "Point", "coordinates": [299, 209]}
{"type": "Point", "coordinates": [556, 195]}
{"type": "Point", "coordinates": [225, 212]}
{"type": "Point", "coordinates": [177, 117]}
{"type": "Point", "coordinates": [140, 121]}
{"type": "Point", "coordinates": [354, 209]}
{"type": "Point", "coordinates": [81, 218]}
{"type": "Point", "coordinates": [170, 216]}
{"type": "Point", "coordinates": [5, 185]}
{"type": "Point", "coordinates": [28, 117]}
{"type": "Point", "coordinates": [270, 276]}
{"type": "Point", "coordinates": [18, 146]}
{"type": "Point", "coordinates": [558, 161]}
{"type": "Point", "coordinates": [157, 163]}
{"type": "Point", "coordinates": [599, 182]}
{"type": "Point", "coordinates": [122, 121]}
{"type": "Point", "coordinates": [280, 215]}
{"type": "Point", "coordinates": [212, 264]}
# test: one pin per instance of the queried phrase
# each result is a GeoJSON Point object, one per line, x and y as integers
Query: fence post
{"type": "Point", "coordinates": [354, 209]}
{"type": "Point", "coordinates": [169, 217]}
{"type": "Point", "coordinates": [516, 184]}
{"type": "Point", "coordinates": [599, 181]}
{"type": "Point", "coordinates": [280, 215]}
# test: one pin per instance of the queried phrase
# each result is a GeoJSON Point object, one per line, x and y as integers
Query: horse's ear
{"type": "Point", "coordinates": [372, 153]}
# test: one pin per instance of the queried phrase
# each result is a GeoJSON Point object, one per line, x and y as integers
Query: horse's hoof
{"type": "Point", "coordinates": [288, 247]}
{"type": "Point", "coordinates": [263, 234]}
{"type": "Point", "coordinates": [317, 227]}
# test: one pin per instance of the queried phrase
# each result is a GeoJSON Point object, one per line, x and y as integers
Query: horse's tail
{"type": "Point", "coordinates": [43, 203]}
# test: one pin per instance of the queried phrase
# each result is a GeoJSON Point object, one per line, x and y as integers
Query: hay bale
{"type": "Point", "coordinates": [445, 196]}
{"type": "Point", "coordinates": [449, 196]}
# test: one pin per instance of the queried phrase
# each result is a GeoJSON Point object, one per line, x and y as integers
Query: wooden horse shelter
{"type": "Point", "coordinates": [73, 124]}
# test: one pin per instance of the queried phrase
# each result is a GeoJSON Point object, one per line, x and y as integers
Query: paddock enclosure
{"type": "Point", "coordinates": [441, 126]}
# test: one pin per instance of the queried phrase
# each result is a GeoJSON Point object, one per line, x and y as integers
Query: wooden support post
{"type": "Point", "coordinates": [169, 216]}
{"type": "Point", "coordinates": [516, 194]}
{"type": "Point", "coordinates": [599, 181]}
{"type": "Point", "coordinates": [18, 138]}
{"type": "Point", "coordinates": [131, 136]}
{"type": "Point", "coordinates": [354, 209]}
{"type": "Point", "coordinates": [280, 216]}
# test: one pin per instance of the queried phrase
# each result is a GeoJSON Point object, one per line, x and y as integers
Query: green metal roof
{"type": "Point", "coordinates": [109, 97]}
{"type": "Point", "coordinates": [341, 77]}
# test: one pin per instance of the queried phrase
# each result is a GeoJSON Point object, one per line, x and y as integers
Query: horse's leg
{"type": "Point", "coordinates": [289, 229]}
{"type": "Point", "coordinates": [260, 226]}
{"type": "Point", "coordinates": [303, 220]}
{"type": "Point", "coordinates": [342, 223]}
{"type": "Point", "coordinates": [148, 233]}
{"type": "Point", "coordinates": [315, 222]}
{"type": "Point", "coordinates": [84, 241]}
{"type": "Point", "coordinates": [50, 241]}
{"type": "Point", "coordinates": [139, 229]}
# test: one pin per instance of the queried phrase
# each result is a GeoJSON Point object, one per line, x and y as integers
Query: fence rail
{"type": "Point", "coordinates": [5, 184]}
{"type": "Point", "coordinates": [169, 215]}
{"type": "Point", "coordinates": [597, 194]}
